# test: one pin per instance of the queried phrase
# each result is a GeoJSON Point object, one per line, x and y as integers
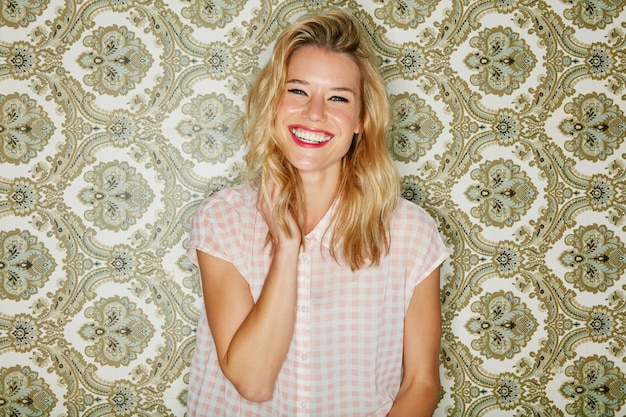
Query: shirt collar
{"type": "Point", "coordinates": [321, 233]}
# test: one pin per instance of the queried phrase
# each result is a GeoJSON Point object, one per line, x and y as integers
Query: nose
{"type": "Point", "coordinates": [315, 108]}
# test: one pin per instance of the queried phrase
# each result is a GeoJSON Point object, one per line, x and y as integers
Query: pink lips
{"type": "Point", "coordinates": [307, 137]}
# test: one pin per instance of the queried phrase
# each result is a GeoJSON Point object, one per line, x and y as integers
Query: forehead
{"type": "Point", "coordinates": [315, 64]}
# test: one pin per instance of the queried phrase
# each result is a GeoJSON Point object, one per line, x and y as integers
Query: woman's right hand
{"type": "Point", "coordinates": [252, 338]}
{"type": "Point", "coordinates": [266, 204]}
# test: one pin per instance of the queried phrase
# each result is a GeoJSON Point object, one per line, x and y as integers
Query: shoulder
{"type": "Point", "coordinates": [409, 213]}
{"type": "Point", "coordinates": [229, 206]}
{"type": "Point", "coordinates": [239, 196]}
{"type": "Point", "coordinates": [412, 225]}
{"type": "Point", "coordinates": [414, 232]}
{"type": "Point", "coordinates": [222, 222]}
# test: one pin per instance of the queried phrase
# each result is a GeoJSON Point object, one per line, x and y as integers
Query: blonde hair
{"type": "Point", "coordinates": [369, 187]}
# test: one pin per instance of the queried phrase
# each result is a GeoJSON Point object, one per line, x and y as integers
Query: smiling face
{"type": "Point", "coordinates": [318, 114]}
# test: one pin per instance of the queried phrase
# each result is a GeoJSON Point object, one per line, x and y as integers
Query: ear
{"type": "Point", "coordinates": [358, 128]}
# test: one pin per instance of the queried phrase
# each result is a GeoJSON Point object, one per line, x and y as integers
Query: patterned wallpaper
{"type": "Point", "coordinates": [118, 116]}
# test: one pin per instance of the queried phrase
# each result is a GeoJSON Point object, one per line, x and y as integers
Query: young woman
{"type": "Point", "coordinates": [321, 285]}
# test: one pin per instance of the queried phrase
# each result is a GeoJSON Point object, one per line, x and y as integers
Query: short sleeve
{"type": "Point", "coordinates": [216, 226]}
{"type": "Point", "coordinates": [432, 255]}
{"type": "Point", "coordinates": [417, 233]}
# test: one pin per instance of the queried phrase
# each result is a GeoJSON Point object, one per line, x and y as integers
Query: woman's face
{"type": "Point", "coordinates": [318, 114]}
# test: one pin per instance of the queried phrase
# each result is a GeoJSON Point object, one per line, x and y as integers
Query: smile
{"type": "Point", "coordinates": [309, 137]}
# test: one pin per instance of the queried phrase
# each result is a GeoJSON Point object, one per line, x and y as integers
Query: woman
{"type": "Point", "coordinates": [310, 271]}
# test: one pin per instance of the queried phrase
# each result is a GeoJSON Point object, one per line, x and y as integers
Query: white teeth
{"type": "Point", "coordinates": [310, 137]}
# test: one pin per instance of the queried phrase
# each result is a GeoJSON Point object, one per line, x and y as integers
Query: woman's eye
{"type": "Point", "coordinates": [339, 98]}
{"type": "Point", "coordinates": [296, 91]}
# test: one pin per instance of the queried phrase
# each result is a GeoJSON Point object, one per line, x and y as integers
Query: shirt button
{"type": "Point", "coordinates": [304, 357]}
{"type": "Point", "coordinates": [304, 309]}
{"type": "Point", "coordinates": [304, 405]}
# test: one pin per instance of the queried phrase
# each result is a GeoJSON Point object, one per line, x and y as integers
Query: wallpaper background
{"type": "Point", "coordinates": [118, 116]}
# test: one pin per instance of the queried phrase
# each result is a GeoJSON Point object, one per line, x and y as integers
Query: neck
{"type": "Point", "coordinates": [319, 194]}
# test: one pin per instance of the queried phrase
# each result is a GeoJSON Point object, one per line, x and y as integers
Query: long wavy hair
{"type": "Point", "coordinates": [369, 187]}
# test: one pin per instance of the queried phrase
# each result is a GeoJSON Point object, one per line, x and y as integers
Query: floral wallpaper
{"type": "Point", "coordinates": [118, 116]}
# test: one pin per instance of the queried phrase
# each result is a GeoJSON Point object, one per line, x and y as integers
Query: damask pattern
{"type": "Point", "coordinates": [25, 265]}
{"type": "Point", "coordinates": [118, 194]}
{"type": "Point", "coordinates": [503, 61]}
{"type": "Point", "coordinates": [119, 331]}
{"type": "Point", "coordinates": [116, 60]}
{"type": "Point", "coordinates": [212, 128]}
{"type": "Point", "coordinates": [25, 129]}
{"type": "Point", "coordinates": [118, 117]}
{"type": "Point", "coordinates": [596, 126]}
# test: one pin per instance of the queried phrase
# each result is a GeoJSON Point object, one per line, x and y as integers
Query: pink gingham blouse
{"type": "Point", "coordinates": [345, 357]}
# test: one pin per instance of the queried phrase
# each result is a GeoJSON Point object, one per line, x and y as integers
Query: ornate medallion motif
{"type": "Point", "coordinates": [596, 386]}
{"type": "Point", "coordinates": [406, 13]}
{"type": "Point", "coordinates": [24, 393]}
{"type": "Point", "coordinates": [21, 14]}
{"type": "Point", "coordinates": [25, 265]}
{"type": "Point", "coordinates": [503, 61]}
{"type": "Point", "coordinates": [212, 128]}
{"type": "Point", "coordinates": [120, 331]}
{"type": "Point", "coordinates": [415, 128]}
{"type": "Point", "coordinates": [117, 60]}
{"type": "Point", "coordinates": [593, 14]}
{"type": "Point", "coordinates": [504, 325]}
{"type": "Point", "coordinates": [597, 127]}
{"type": "Point", "coordinates": [119, 195]}
{"type": "Point", "coordinates": [211, 13]}
{"type": "Point", "coordinates": [25, 128]}
{"type": "Point", "coordinates": [504, 193]}
{"type": "Point", "coordinates": [598, 258]}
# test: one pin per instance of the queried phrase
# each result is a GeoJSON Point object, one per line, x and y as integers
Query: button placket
{"type": "Point", "coordinates": [303, 330]}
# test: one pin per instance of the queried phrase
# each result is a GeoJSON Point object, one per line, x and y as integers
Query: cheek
{"type": "Point", "coordinates": [353, 121]}
{"type": "Point", "coordinates": [283, 112]}
{"type": "Point", "coordinates": [288, 104]}
{"type": "Point", "coordinates": [280, 110]}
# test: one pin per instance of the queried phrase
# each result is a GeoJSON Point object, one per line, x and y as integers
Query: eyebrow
{"type": "Point", "coordinates": [339, 89]}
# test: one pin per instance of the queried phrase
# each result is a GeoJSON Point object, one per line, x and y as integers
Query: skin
{"type": "Point", "coordinates": [321, 103]}
{"type": "Point", "coordinates": [419, 390]}
{"type": "Point", "coordinates": [321, 99]}
{"type": "Point", "coordinates": [252, 339]}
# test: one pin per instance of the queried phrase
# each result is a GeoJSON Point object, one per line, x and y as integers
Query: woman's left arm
{"type": "Point", "coordinates": [420, 387]}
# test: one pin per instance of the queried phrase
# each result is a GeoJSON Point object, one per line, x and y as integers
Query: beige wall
{"type": "Point", "coordinates": [117, 117]}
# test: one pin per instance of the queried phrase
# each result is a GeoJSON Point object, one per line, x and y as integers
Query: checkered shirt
{"type": "Point", "coordinates": [345, 357]}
